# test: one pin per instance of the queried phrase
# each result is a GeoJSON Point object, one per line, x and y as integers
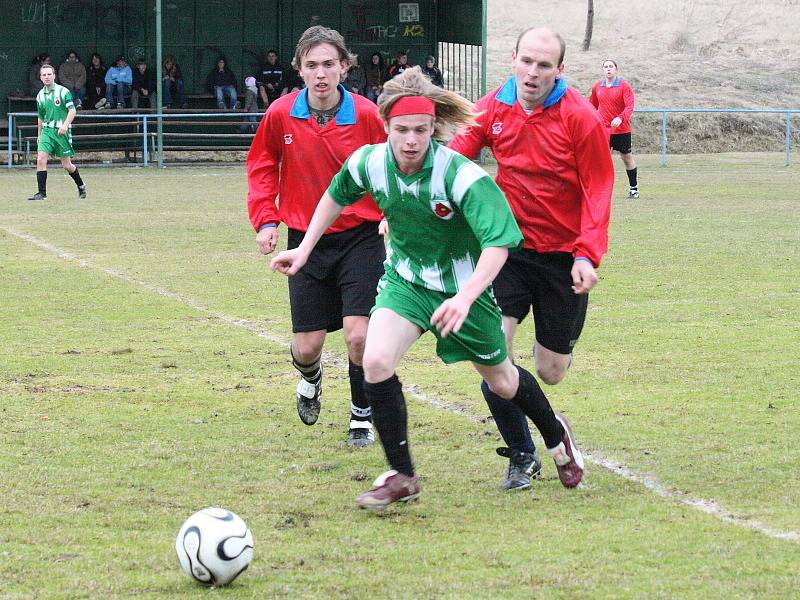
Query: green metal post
{"type": "Point", "coordinates": [484, 41]}
{"type": "Point", "coordinates": [159, 92]}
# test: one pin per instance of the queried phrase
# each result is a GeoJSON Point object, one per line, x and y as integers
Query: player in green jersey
{"type": "Point", "coordinates": [56, 112]}
{"type": "Point", "coordinates": [450, 230]}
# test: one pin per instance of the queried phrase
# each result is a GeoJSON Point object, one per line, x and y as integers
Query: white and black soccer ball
{"type": "Point", "coordinates": [214, 546]}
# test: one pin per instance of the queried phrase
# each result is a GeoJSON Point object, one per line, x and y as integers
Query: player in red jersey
{"type": "Point", "coordinates": [301, 143]}
{"type": "Point", "coordinates": [613, 97]}
{"type": "Point", "coordinates": [555, 168]}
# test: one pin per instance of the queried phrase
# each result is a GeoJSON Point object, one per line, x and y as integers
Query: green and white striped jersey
{"type": "Point", "coordinates": [54, 105]}
{"type": "Point", "coordinates": [440, 218]}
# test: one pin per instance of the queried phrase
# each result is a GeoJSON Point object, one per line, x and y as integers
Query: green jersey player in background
{"type": "Point", "coordinates": [450, 231]}
{"type": "Point", "coordinates": [56, 112]}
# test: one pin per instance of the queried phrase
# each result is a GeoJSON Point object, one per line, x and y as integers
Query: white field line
{"type": "Point", "coordinates": [707, 506]}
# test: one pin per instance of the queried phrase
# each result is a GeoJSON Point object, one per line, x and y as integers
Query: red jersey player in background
{"type": "Point", "coordinates": [613, 98]}
{"type": "Point", "coordinates": [554, 166]}
{"type": "Point", "coordinates": [301, 143]}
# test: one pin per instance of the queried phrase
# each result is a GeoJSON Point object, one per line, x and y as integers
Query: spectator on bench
{"type": "Point", "coordinates": [33, 75]}
{"type": "Point", "coordinates": [72, 75]}
{"type": "Point", "coordinates": [118, 79]}
{"type": "Point", "coordinates": [222, 82]}
{"type": "Point", "coordinates": [432, 71]}
{"type": "Point", "coordinates": [272, 79]}
{"type": "Point", "coordinates": [376, 76]}
{"type": "Point", "coordinates": [356, 80]}
{"type": "Point", "coordinates": [172, 84]}
{"type": "Point", "coordinates": [400, 65]}
{"type": "Point", "coordinates": [96, 82]}
{"type": "Point", "coordinates": [144, 85]}
{"type": "Point", "coordinates": [250, 105]}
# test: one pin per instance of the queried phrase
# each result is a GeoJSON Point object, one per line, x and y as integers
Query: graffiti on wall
{"type": "Point", "coordinates": [37, 11]}
{"type": "Point", "coordinates": [367, 30]}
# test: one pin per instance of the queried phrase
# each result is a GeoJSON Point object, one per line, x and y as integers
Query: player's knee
{"type": "Point", "coordinates": [503, 383]}
{"type": "Point", "coordinates": [377, 367]}
{"type": "Point", "coordinates": [355, 344]}
{"type": "Point", "coordinates": [551, 373]}
{"type": "Point", "coordinates": [306, 351]}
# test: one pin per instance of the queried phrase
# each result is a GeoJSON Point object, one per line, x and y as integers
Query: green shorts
{"type": "Point", "coordinates": [54, 144]}
{"type": "Point", "coordinates": [481, 338]}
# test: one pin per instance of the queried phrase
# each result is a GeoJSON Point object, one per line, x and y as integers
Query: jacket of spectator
{"type": "Point", "coordinates": [34, 82]}
{"type": "Point", "coordinates": [217, 78]}
{"type": "Point", "coordinates": [96, 75]}
{"type": "Point", "coordinates": [144, 81]}
{"type": "Point", "coordinates": [273, 74]}
{"type": "Point", "coordinates": [72, 74]}
{"type": "Point", "coordinates": [117, 74]}
{"type": "Point", "coordinates": [251, 95]}
{"type": "Point", "coordinates": [376, 73]}
{"type": "Point", "coordinates": [356, 79]}
{"type": "Point", "coordinates": [432, 71]}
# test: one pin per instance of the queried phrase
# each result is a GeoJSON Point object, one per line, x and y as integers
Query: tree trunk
{"type": "Point", "coordinates": [587, 38]}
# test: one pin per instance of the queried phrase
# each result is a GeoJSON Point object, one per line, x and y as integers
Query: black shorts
{"type": "Point", "coordinates": [339, 280]}
{"type": "Point", "coordinates": [542, 283]}
{"type": "Point", "coordinates": [621, 142]}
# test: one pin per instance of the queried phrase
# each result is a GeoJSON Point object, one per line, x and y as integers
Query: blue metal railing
{"type": "Point", "coordinates": [664, 111]}
{"type": "Point", "coordinates": [147, 130]}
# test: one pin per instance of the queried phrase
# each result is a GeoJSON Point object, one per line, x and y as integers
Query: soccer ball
{"type": "Point", "coordinates": [214, 546]}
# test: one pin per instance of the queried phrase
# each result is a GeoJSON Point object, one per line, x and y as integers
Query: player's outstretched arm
{"type": "Point", "coordinates": [452, 313]}
{"type": "Point", "coordinates": [290, 262]}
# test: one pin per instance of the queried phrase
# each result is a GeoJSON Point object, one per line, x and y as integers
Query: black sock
{"type": "Point", "coordinates": [391, 420]}
{"type": "Point", "coordinates": [531, 399]}
{"type": "Point", "coordinates": [76, 177]}
{"type": "Point", "coordinates": [510, 421]}
{"type": "Point", "coordinates": [311, 372]}
{"type": "Point", "coordinates": [632, 177]}
{"type": "Point", "coordinates": [359, 407]}
{"type": "Point", "coordinates": [41, 181]}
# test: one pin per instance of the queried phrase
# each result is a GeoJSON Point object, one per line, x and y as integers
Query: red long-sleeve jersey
{"type": "Point", "coordinates": [554, 167]}
{"type": "Point", "coordinates": [613, 100]}
{"type": "Point", "coordinates": [292, 160]}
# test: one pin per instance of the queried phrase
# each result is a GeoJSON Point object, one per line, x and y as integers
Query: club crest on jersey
{"type": "Point", "coordinates": [287, 138]}
{"type": "Point", "coordinates": [497, 128]}
{"type": "Point", "coordinates": [57, 101]}
{"type": "Point", "coordinates": [442, 209]}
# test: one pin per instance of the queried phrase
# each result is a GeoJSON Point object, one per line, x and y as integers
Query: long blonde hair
{"type": "Point", "coordinates": [453, 112]}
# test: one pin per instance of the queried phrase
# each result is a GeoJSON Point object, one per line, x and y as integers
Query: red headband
{"type": "Point", "coordinates": [412, 105]}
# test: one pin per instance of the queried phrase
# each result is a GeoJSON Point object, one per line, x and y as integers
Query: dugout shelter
{"type": "Point", "coordinates": [197, 32]}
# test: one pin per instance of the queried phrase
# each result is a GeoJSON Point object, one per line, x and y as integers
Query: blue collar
{"type": "Point", "coordinates": [604, 82]}
{"type": "Point", "coordinates": [508, 93]}
{"type": "Point", "coordinates": [345, 116]}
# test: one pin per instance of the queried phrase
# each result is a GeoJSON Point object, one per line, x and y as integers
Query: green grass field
{"type": "Point", "coordinates": [144, 375]}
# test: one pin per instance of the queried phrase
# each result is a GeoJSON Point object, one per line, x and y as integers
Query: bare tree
{"type": "Point", "coordinates": [587, 38]}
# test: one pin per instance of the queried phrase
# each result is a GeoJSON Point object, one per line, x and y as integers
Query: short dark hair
{"type": "Point", "coordinates": [316, 35]}
{"type": "Point", "coordinates": [613, 62]}
{"type": "Point", "coordinates": [557, 35]}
